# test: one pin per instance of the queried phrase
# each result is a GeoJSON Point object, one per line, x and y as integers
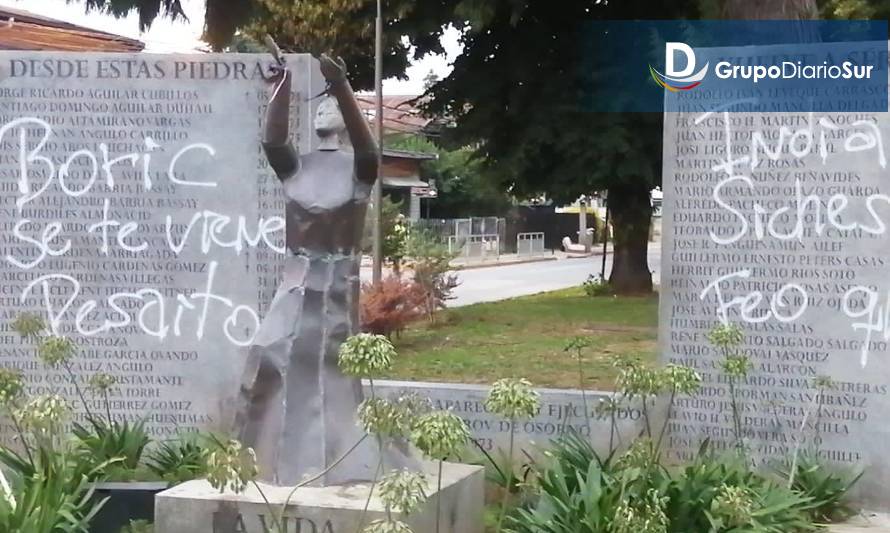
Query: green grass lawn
{"type": "Point", "coordinates": [524, 337]}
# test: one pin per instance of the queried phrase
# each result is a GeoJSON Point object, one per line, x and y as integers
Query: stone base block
{"type": "Point", "coordinates": [195, 507]}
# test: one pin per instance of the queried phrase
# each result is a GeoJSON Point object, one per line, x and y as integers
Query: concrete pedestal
{"type": "Point", "coordinates": [195, 507]}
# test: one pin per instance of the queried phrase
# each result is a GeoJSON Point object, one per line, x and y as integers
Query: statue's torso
{"type": "Point", "coordinates": [326, 204]}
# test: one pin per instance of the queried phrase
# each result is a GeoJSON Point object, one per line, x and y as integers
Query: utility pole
{"type": "Point", "coordinates": [605, 240]}
{"type": "Point", "coordinates": [377, 196]}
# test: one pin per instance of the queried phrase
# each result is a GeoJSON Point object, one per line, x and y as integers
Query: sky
{"type": "Point", "coordinates": [185, 36]}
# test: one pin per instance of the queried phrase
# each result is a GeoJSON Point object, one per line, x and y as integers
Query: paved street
{"type": "Point", "coordinates": [502, 282]}
{"type": "Point", "coordinates": [493, 283]}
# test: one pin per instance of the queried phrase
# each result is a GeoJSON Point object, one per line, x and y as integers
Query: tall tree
{"type": "Point", "coordinates": [770, 9]}
{"type": "Point", "coordinates": [521, 103]}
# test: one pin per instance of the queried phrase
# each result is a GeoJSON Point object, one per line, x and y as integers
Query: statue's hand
{"type": "Point", "coordinates": [278, 69]}
{"type": "Point", "coordinates": [277, 72]}
{"type": "Point", "coordinates": [333, 71]}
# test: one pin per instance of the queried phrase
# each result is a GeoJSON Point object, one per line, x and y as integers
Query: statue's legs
{"type": "Point", "coordinates": [261, 411]}
{"type": "Point", "coordinates": [298, 410]}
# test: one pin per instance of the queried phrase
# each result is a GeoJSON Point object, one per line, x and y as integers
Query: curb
{"type": "Point", "coordinates": [492, 265]}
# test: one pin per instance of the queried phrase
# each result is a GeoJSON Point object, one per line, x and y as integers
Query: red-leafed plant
{"type": "Point", "coordinates": [387, 307]}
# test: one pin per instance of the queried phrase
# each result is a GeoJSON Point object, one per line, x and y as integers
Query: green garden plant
{"type": "Point", "coordinates": [576, 491]}
{"type": "Point", "coordinates": [578, 344]}
{"type": "Point", "coordinates": [579, 492]}
{"type": "Point", "coordinates": [500, 470]}
{"type": "Point", "coordinates": [595, 286]}
{"type": "Point", "coordinates": [46, 487]}
{"type": "Point", "coordinates": [119, 444]}
{"type": "Point", "coordinates": [727, 338]}
{"type": "Point", "coordinates": [183, 458]}
{"type": "Point", "coordinates": [566, 500]}
{"type": "Point", "coordinates": [679, 380]}
{"type": "Point", "coordinates": [825, 486]}
{"type": "Point", "coordinates": [53, 498]}
{"type": "Point", "coordinates": [438, 435]}
{"type": "Point", "coordinates": [609, 406]}
{"type": "Point", "coordinates": [365, 356]}
{"type": "Point", "coordinates": [430, 260]}
{"type": "Point", "coordinates": [513, 399]}
{"type": "Point", "coordinates": [637, 381]}
{"type": "Point", "coordinates": [53, 350]}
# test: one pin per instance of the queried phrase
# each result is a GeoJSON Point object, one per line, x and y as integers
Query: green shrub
{"type": "Point", "coordinates": [121, 442]}
{"type": "Point", "coordinates": [567, 500]}
{"type": "Point", "coordinates": [596, 286]}
{"type": "Point", "coordinates": [430, 260]}
{"type": "Point", "coordinates": [579, 492]}
{"type": "Point", "coordinates": [576, 491]}
{"type": "Point", "coordinates": [825, 486]}
{"type": "Point", "coordinates": [182, 459]}
{"type": "Point", "coordinates": [705, 496]}
{"type": "Point", "coordinates": [48, 491]}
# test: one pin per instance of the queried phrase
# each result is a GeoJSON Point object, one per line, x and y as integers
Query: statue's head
{"type": "Point", "coordinates": [328, 120]}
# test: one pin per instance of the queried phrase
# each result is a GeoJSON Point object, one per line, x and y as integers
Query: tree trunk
{"type": "Point", "coordinates": [770, 9]}
{"type": "Point", "coordinates": [631, 213]}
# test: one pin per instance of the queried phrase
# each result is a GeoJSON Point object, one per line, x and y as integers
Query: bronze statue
{"type": "Point", "coordinates": [297, 409]}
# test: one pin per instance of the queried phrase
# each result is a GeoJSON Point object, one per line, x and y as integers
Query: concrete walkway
{"type": "Point", "coordinates": [866, 522]}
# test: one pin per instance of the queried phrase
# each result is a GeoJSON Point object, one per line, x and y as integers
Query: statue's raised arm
{"type": "Point", "coordinates": [282, 155]}
{"type": "Point", "coordinates": [363, 143]}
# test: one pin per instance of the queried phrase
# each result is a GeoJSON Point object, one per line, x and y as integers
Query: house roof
{"type": "Point", "coordinates": [405, 154]}
{"type": "Point", "coordinates": [400, 114]}
{"type": "Point", "coordinates": [22, 30]}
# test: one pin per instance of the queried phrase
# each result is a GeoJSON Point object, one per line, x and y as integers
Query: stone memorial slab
{"type": "Point", "coordinates": [140, 219]}
{"type": "Point", "coordinates": [777, 222]}
{"type": "Point", "coordinates": [195, 507]}
{"type": "Point", "coordinates": [562, 411]}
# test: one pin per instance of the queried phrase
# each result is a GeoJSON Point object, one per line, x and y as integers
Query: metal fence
{"type": "Point", "coordinates": [475, 246]}
{"type": "Point", "coordinates": [530, 243]}
{"type": "Point", "coordinates": [473, 238]}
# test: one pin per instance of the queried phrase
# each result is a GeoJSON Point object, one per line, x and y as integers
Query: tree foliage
{"type": "Point", "coordinates": [412, 29]}
{"type": "Point", "coordinates": [854, 9]}
{"type": "Point", "coordinates": [465, 190]}
{"type": "Point", "coordinates": [147, 10]}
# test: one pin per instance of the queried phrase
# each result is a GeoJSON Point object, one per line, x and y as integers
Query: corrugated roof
{"type": "Point", "coordinates": [21, 30]}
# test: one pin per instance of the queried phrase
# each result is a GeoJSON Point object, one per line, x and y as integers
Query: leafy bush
{"type": "Point", "coordinates": [120, 442]}
{"type": "Point", "coordinates": [579, 492]}
{"type": "Point", "coordinates": [568, 501]}
{"type": "Point", "coordinates": [182, 459]}
{"type": "Point", "coordinates": [431, 262]}
{"type": "Point", "coordinates": [826, 487]}
{"type": "Point", "coordinates": [47, 489]}
{"type": "Point", "coordinates": [723, 494]}
{"type": "Point", "coordinates": [596, 286]}
{"type": "Point", "coordinates": [387, 307]}
{"type": "Point", "coordinates": [48, 501]}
